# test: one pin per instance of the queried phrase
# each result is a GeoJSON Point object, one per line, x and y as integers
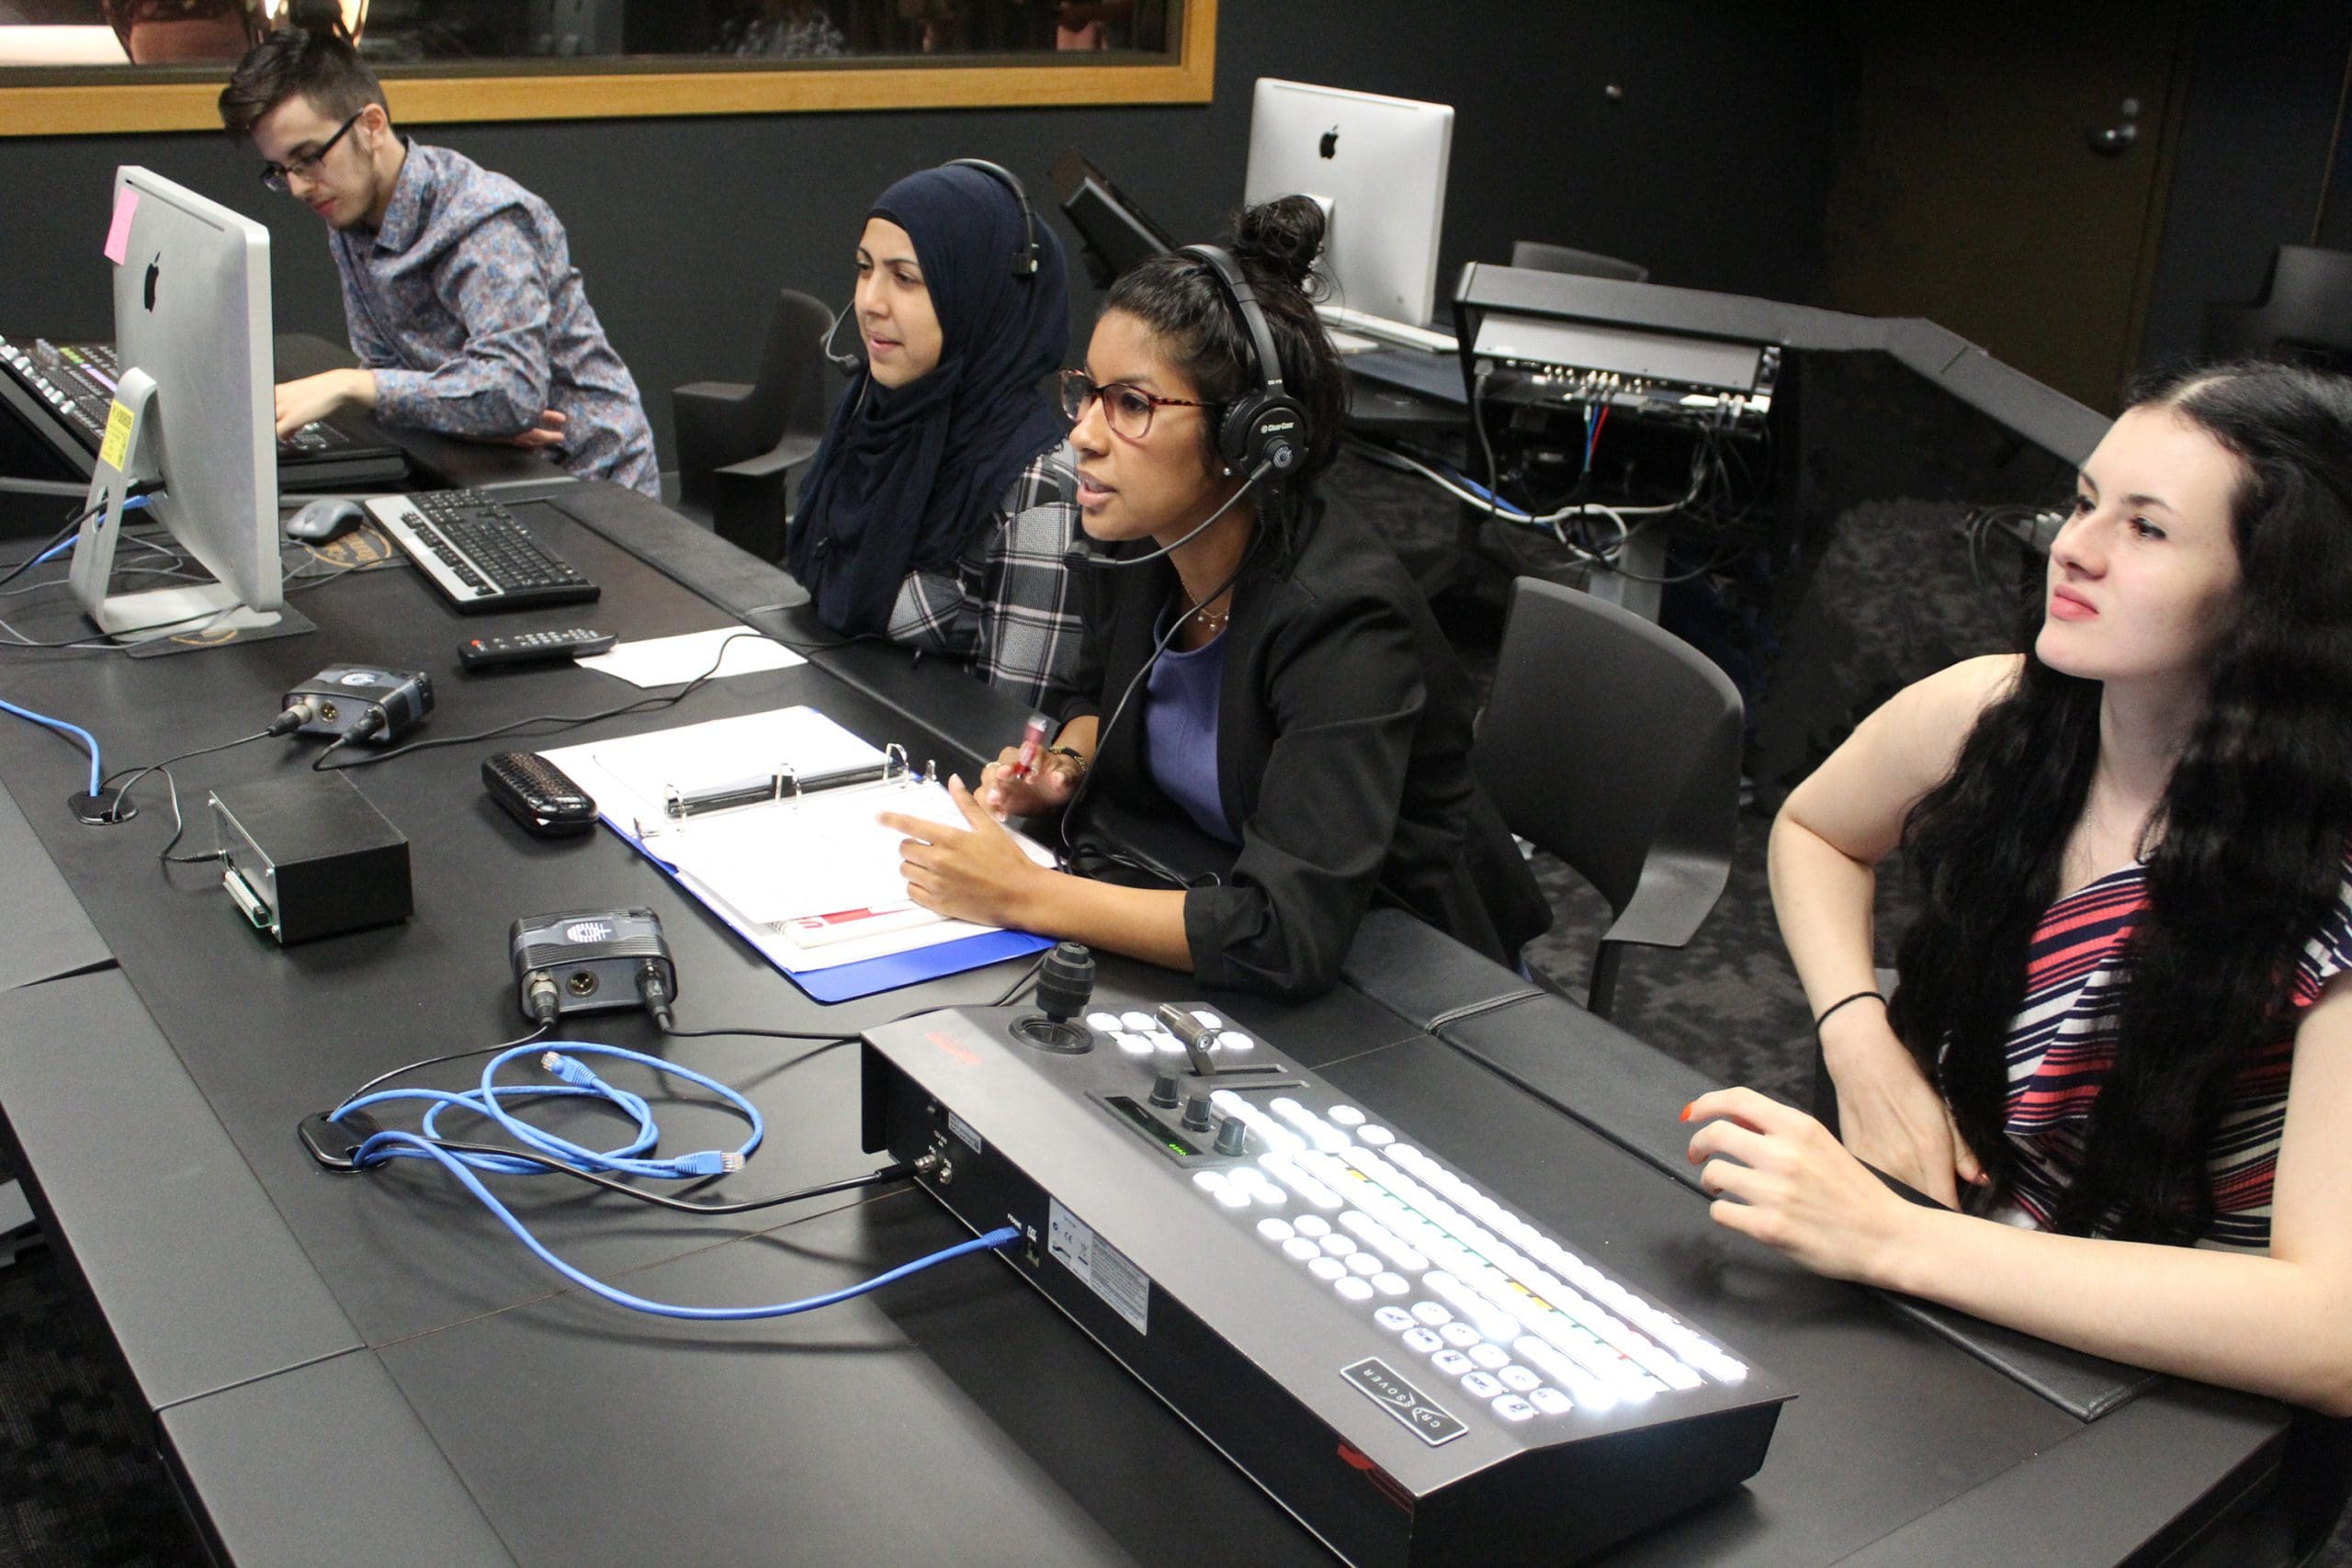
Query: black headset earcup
{"type": "Point", "coordinates": [1264, 429]}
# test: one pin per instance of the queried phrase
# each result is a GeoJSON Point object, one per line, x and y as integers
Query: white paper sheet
{"type": "Point", "coordinates": [674, 661]}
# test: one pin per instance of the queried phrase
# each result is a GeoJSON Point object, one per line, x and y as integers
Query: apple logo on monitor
{"type": "Point", "coordinates": [154, 271]}
{"type": "Point", "coordinates": [1330, 145]}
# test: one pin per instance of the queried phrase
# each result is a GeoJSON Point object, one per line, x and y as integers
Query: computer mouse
{"type": "Point", "coordinates": [325, 520]}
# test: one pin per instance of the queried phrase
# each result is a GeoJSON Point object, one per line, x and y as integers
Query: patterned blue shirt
{"type": "Point", "coordinates": [467, 307]}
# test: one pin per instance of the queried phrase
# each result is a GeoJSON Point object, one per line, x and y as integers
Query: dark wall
{"type": "Point", "coordinates": [2266, 87]}
{"type": "Point", "coordinates": [1711, 167]}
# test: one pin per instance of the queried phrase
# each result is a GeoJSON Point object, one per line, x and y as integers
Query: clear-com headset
{"type": "Point", "coordinates": [1025, 256]}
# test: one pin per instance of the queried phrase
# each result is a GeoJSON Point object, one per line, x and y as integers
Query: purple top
{"type": "Point", "coordinates": [1180, 709]}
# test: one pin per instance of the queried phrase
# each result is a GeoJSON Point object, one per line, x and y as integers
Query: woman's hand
{"type": "Point", "coordinates": [1888, 1113]}
{"type": "Point", "coordinates": [979, 872]}
{"type": "Point", "coordinates": [1052, 780]}
{"type": "Point", "coordinates": [1780, 1176]}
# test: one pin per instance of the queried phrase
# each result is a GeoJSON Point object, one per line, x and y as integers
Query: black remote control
{"type": "Point", "coordinates": [537, 793]}
{"type": "Point", "coordinates": [532, 648]}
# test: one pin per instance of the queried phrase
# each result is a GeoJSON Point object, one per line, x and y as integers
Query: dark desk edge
{"type": "Point", "coordinates": [48, 935]}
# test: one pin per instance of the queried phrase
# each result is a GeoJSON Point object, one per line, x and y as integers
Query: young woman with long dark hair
{"type": "Point", "coordinates": [2120, 1050]}
{"type": "Point", "coordinates": [1261, 666]}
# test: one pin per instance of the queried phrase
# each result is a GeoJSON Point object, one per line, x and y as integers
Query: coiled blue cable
{"type": "Point", "coordinates": [579, 1080]}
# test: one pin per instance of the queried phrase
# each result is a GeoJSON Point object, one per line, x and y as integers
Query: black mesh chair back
{"type": "Point", "coordinates": [1537, 256]}
{"type": "Point", "coordinates": [2306, 312]}
{"type": "Point", "coordinates": [1614, 745]}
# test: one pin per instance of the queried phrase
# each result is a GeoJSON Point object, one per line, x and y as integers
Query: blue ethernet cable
{"type": "Point", "coordinates": [580, 1081]}
{"type": "Point", "coordinates": [89, 741]}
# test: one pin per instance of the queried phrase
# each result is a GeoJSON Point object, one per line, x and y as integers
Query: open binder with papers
{"type": "Point", "coordinates": [769, 819]}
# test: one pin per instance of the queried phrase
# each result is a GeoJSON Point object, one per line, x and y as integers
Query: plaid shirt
{"type": "Point", "coordinates": [1007, 612]}
{"type": "Point", "coordinates": [467, 307]}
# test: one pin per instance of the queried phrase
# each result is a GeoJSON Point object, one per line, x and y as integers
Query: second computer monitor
{"type": "Point", "coordinates": [1378, 166]}
{"type": "Point", "coordinates": [192, 319]}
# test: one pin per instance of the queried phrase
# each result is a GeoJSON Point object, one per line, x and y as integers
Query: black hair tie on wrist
{"type": "Point", "coordinates": [1824, 1016]}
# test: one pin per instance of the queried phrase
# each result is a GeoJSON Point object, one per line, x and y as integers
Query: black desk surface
{"type": "Point", "coordinates": [367, 1368]}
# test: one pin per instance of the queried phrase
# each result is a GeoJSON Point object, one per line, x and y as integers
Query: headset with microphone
{"type": "Point", "coordinates": [1025, 256]}
{"type": "Point", "coordinates": [1261, 432]}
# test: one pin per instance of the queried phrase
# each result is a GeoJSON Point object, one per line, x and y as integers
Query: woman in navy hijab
{"type": "Point", "coordinates": [939, 507]}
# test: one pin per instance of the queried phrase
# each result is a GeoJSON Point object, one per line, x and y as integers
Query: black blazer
{"type": "Point", "coordinates": [1343, 741]}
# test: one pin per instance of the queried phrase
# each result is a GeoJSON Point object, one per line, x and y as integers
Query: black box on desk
{"type": "Point", "coordinates": [308, 856]}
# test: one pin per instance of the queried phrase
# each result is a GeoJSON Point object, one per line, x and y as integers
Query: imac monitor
{"type": "Point", "coordinates": [193, 415]}
{"type": "Point", "coordinates": [1376, 166]}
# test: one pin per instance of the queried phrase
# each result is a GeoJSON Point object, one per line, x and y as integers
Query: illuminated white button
{"type": "Point", "coordinates": [1353, 1289]}
{"type": "Point", "coordinates": [1233, 1197]}
{"type": "Point", "coordinates": [1208, 1180]}
{"type": "Point", "coordinates": [1326, 1268]}
{"type": "Point", "coordinates": [1510, 1407]}
{"type": "Point", "coordinates": [1141, 1022]}
{"type": "Point", "coordinates": [1423, 1340]}
{"type": "Point", "coordinates": [1479, 1385]}
{"type": "Point", "coordinates": [1494, 1357]}
{"type": "Point", "coordinates": [1377, 1236]}
{"type": "Point", "coordinates": [1313, 1224]}
{"type": "Point", "coordinates": [1168, 1044]}
{"type": "Point", "coordinates": [1299, 1247]}
{"type": "Point", "coordinates": [1551, 1401]}
{"type": "Point", "coordinates": [1517, 1379]}
{"type": "Point", "coordinates": [1394, 1319]}
{"type": "Point", "coordinates": [1285, 1169]}
{"type": "Point", "coordinates": [1275, 1230]}
{"type": "Point", "coordinates": [1375, 1136]}
{"type": "Point", "coordinates": [1207, 1019]}
{"type": "Point", "coordinates": [1723, 1368]}
{"type": "Point", "coordinates": [1339, 1246]}
{"type": "Point", "coordinates": [1234, 1040]}
{"type": "Point", "coordinates": [1459, 1333]}
{"type": "Point", "coordinates": [1431, 1314]}
{"type": "Point", "coordinates": [1132, 1044]}
{"type": "Point", "coordinates": [1363, 1263]}
{"type": "Point", "coordinates": [1103, 1022]}
{"type": "Point", "coordinates": [1345, 1115]}
{"type": "Point", "coordinates": [1454, 1363]}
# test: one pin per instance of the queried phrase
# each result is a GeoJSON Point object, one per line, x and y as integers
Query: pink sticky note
{"type": "Point", "coordinates": [126, 202]}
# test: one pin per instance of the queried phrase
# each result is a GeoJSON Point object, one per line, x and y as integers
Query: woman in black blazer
{"type": "Point", "coordinates": [1258, 664]}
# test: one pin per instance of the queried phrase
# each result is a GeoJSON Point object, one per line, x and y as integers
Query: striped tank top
{"type": "Point", "coordinates": [2061, 1047]}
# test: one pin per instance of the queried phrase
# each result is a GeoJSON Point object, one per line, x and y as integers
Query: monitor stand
{"type": "Point", "coordinates": [127, 459]}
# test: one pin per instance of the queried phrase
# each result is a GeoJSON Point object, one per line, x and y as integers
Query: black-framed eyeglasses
{"type": "Point", "coordinates": [280, 176]}
{"type": "Point", "coordinates": [1128, 409]}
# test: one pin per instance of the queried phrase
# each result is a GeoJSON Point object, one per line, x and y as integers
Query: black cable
{"type": "Point", "coordinates": [453, 1056]}
{"type": "Point", "coordinates": [641, 704]}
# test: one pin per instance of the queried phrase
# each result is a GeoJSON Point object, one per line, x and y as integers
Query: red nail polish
{"type": "Point", "coordinates": [1686, 1111]}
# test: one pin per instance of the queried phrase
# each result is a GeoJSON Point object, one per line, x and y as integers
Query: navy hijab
{"type": "Point", "coordinates": [908, 475]}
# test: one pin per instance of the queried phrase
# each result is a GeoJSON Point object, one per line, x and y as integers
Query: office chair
{"type": "Point", "coordinates": [741, 448]}
{"type": "Point", "coordinates": [2304, 311]}
{"type": "Point", "coordinates": [1615, 746]}
{"type": "Point", "coordinates": [1538, 256]}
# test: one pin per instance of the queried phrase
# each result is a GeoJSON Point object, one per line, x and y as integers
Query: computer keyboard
{"type": "Point", "coordinates": [477, 553]}
{"type": "Point", "coordinates": [1340, 318]}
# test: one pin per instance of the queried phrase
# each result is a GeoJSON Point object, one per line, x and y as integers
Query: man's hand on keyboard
{"type": "Point", "coordinates": [315, 398]}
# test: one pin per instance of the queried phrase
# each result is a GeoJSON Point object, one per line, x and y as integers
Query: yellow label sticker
{"type": "Point", "coordinates": [116, 444]}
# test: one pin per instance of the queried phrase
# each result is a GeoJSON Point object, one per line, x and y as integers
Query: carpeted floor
{"type": "Point", "coordinates": [1896, 594]}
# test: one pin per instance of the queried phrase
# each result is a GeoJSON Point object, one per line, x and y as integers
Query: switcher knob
{"type": "Point", "coordinates": [1163, 1090]}
{"type": "Point", "coordinates": [1196, 1113]}
{"type": "Point", "coordinates": [1232, 1138]}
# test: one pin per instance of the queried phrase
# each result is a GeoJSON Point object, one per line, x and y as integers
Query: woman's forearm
{"type": "Point", "coordinates": [2247, 1321]}
{"type": "Point", "coordinates": [1821, 898]}
{"type": "Point", "coordinates": [1142, 922]}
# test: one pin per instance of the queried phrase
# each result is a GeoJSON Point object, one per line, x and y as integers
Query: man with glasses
{"type": "Point", "coordinates": [459, 291]}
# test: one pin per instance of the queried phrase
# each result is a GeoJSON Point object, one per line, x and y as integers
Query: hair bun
{"type": "Point", "coordinates": [1283, 236]}
{"type": "Point", "coordinates": [321, 18]}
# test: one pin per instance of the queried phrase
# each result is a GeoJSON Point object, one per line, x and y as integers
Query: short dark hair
{"type": "Point", "coordinates": [312, 54]}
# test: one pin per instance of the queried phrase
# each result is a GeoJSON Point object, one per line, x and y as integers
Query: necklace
{"type": "Point", "coordinates": [1213, 619]}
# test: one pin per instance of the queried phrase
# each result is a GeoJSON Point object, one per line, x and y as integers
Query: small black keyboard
{"type": "Point", "coordinates": [477, 553]}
